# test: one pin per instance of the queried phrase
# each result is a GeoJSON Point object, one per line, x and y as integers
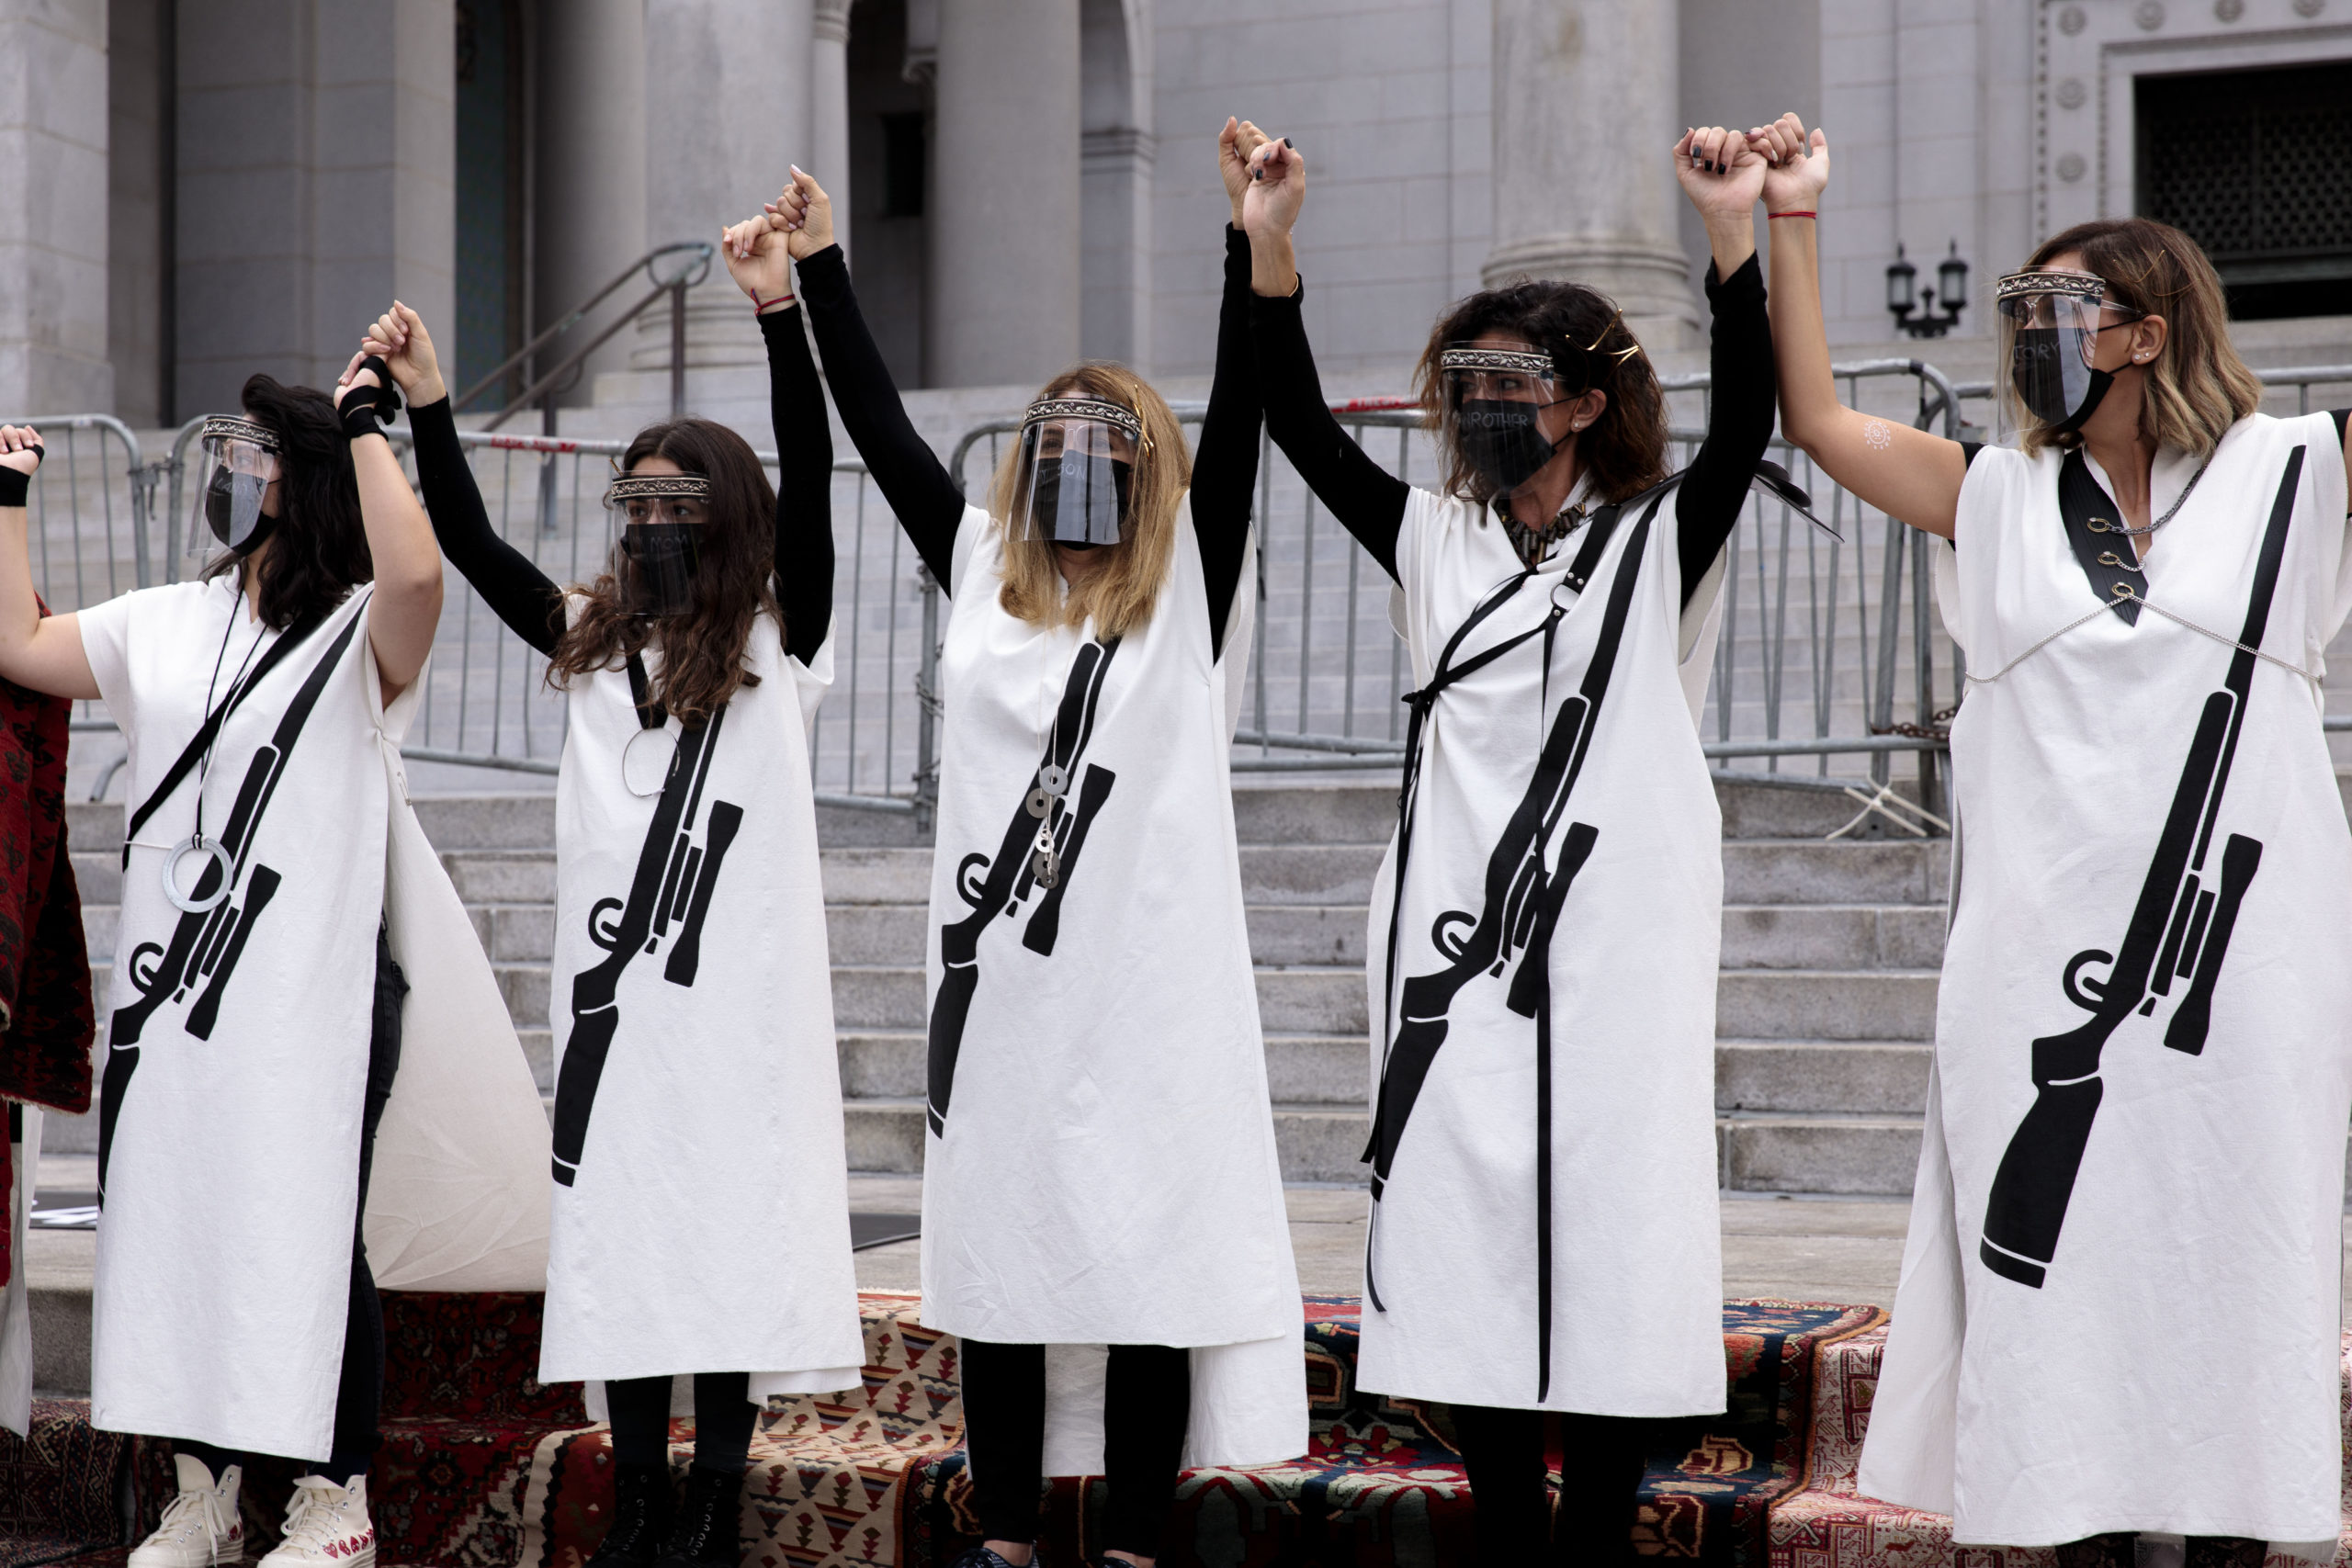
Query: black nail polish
{"type": "Point", "coordinates": [1286, 142]}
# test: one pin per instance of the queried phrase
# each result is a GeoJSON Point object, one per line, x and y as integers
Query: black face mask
{"type": "Point", "coordinates": [220, 510]}
{"type": "Point", "coordinates": [661, 561]}
{"type": "Point", "coordinates": [1500, 442]}
{"type": "Point", "coordinates": [2053, 384]}
{"type": "Point", "coordinates": [1046, 501]}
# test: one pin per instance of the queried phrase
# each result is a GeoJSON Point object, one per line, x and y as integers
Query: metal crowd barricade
{"type": "Point", "coordinates": [1827, 648]}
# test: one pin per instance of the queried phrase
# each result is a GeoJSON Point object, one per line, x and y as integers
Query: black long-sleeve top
{"type": "Point", "coordinates": [1369, 501]}
{"type": "Point", "coordinates": [531, 603]}
{"type": "Point", "coordinates": [928, 500]}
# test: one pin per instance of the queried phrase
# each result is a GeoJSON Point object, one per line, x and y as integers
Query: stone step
{"type": "Point", "coordinates": [1328, 1070]}
{"type": "Point", "coordinates": [1845, 1077]}
{"type": "Point", "coordinates": [1852, 1156]}
{"type": "Point", "coordinates": [1826, 1004]}
{"type": "Point", "coordinates": [1833, 936]}
{"type": "Point", "coordinates": [1797, 870]}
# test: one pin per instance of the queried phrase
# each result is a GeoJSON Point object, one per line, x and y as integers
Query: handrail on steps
{"type": "Point", "coordinates": [696, 266]}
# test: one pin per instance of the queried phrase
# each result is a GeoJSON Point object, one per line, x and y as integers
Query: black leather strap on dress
{"type": "Point", "coordinates": [2092, 527]}
{"type": "Point", "coordinates": [286, 643]}
{"type": "Point", "coordinates": [650, 715]}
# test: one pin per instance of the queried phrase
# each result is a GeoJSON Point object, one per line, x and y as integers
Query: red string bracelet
{"type": "Point", "coordinates": [758, 304]}
{"type": "Point", "coordinates": [1772, 215]}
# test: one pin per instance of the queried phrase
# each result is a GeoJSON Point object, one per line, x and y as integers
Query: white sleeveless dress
{"type": "Point", "coordinates": [2122, 1290]}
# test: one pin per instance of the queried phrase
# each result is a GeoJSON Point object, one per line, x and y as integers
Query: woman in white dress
{"type": "Point", "coordinates": [257, 1012]}
{"type": "Point", "coordinates": [1544, 1236]}
{"type": "Point", "coordinates": [2119, 1304]}
{"type": "Point", "coordinates": [701, 1202]}
{"type": "Point", "coordinates": [1100, 1168]}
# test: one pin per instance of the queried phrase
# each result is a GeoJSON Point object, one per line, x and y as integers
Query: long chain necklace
{"type": "Point", "coordinates": [2109, 526]}
{"type": "Point", "coordinates": [196, 842]}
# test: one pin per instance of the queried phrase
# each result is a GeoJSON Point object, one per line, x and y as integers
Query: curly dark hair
{"type": "Point", "coordinates": [318, 551]}
{"type": "Point", "coordinates": [702, 651]}
{"type": "Point", "coordinates": [1586, 335]}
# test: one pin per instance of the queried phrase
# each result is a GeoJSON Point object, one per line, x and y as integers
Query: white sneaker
{"type": "Point", "coordinates": [200, 1529]}
{"type": "Point", "coordinates": [326, 1527]}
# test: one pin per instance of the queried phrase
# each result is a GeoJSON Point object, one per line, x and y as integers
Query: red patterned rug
{"type": "Point", "coordinates": [57, 1485]}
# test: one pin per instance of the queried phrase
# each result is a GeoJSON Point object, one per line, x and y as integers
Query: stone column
{"type": "Point", "coordinates": [1005, 194]}
{"type": "Point", "coordinates": [1584, 104]}
{"type": "Point", "coordinates": [726, 112]}
{"type": "Point", "coordinates": [54, 208]}
{"type": "Point", "coordinates": [829, 110]}
{"type": "Point", "coordinates": [590, 149]}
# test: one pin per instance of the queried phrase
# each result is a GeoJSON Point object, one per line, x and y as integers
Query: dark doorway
{"type": "Point", "coordinates": [2250, 164]}
{"type": "Point", "coordinates": [889, 156]}
{"type": "Point", "coordinates": [490, 190]}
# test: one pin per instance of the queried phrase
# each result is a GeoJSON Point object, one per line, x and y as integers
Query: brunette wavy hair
{"type": "Point", "coordinates": [1121, 596]}
{"type": "Point", "coordinates": [701, 650]}
{"type": "Point", "coordinates": [318, 551]}
{"type": "Point", "coordinates": [2196, 386]}
{"type": "Point", "coordinates": [1591, 349]}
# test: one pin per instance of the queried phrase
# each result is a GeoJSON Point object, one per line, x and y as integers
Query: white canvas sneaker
{"type": "Point", "coordinates": [200, 1530]}
{"type": "Point", "coordinates": [326, 1527]}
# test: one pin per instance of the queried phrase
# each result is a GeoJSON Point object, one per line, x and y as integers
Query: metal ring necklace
{"type": "Point", "coordinates": [195, 844]}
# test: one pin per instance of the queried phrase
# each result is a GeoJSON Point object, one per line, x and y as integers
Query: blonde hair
{"type": "Point", "coordinates": [2196, 386]}
{"type": "Point", "coordinates": [1119, 596]}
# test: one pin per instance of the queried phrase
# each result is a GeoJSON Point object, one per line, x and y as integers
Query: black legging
{"type": "Point", "coordinates": [724, 1417]}
{"type": "Point", "coordinates": [1600, 1479]}
{"type": "Point", "coordinates": [359, 1397]}
{"type": "Point", "coordinates": [1146, 1405]}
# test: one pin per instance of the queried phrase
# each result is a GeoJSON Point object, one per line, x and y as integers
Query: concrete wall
{"type": "Point", "coordinates": [316, 142]}
{"type": "Point", "coordinates": [138, 192]}
{"type": "Point", "coordinates": [53, 207]}
{"type": "Point", "coordinates": [590, 165]}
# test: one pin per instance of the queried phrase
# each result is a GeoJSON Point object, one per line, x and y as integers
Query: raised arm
{"type": "Point", "coordinates": [926, 498]}
{"type": "Point", "coordinates": [1903, 472]}
{"type": "Point", "coordinates": [757, 257]}
{"type": "Point", "coordinates": [517, 592]}
{"type": "Point", "coordinates": [1368, 501]}
{"type": "Point", "coordinates": [1723, 176]}
{"type": "Point", "coordinates": [1224, 465]}
{"type": "Point", "coordinates": [407, 606]}
{"type": "Point", "coordinates": [42, 652]}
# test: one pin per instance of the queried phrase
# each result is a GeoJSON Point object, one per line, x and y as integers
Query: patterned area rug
{"type": "Point", "coordinates": [1381, 1486]}
{"type": "Point", "coordinates": [57, 1485]}
{"type": "Point", "coordinates": [1830, 1525]}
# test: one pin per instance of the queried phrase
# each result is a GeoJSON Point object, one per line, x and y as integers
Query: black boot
{"type": "Point", "coordinates": [707, 1533]}
{"type": "Point", "coordinates": [641, 1518]}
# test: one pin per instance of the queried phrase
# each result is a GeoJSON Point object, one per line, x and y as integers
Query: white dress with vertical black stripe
{"type": "Point", "coordinates": [2122, 1292]}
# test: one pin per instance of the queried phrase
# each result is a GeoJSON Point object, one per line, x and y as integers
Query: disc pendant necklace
{"type": "Point", "coordinates": [197, 843]}
{"type": "Point", "coordinates": [1052, 784]}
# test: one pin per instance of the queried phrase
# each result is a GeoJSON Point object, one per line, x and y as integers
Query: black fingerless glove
{"type": "Point", "coordinates": [363, 410]}
{"type": "Point", "coordinates": [16, 486]}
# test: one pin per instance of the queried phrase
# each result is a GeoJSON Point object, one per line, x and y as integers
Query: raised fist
{"type": "Point", "coordinates": [1235, 143]}
{"type": "Point", "coordinates": [756, 256]}
{"type": "Point", "coordinates": [1798, 168]}
{"type": "Point", "coordinates": [805, 213]}
{"type": "Point", "coordinates": [399, 335]}
{"type": "Point", "coordinates": [1721, 174]}
{"type": "Point", "coordinates": [1277, 188]}
{"type": "Point", "coordinates": [20, 447]}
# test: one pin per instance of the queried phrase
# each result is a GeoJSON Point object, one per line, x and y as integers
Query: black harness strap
{"type": "Point", "coordinates": [650, 715]}
{"type": "Point", "coordinates": [287, 641]}
{"type": "Point", "coordinates": [2108, 558]}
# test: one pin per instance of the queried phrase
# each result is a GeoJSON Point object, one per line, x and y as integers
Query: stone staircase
{"type": "Point", "coordinates": [1825, 1007]}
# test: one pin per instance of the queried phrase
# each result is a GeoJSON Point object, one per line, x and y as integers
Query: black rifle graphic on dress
{"type": "Point", "coordinates": [1010, 878]}
{"type": "Point", "coordinates": [207, 944]}
{"type": "Point", "coordinates": [2179, 930]}
{"type": "Point", "coordinates": [672, 885]}
{"type": "Point", "coordinates": [1524, 898]}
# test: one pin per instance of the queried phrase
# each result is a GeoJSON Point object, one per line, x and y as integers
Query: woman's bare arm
{"type": "Point", "coordinates": [407, 609]}
{"type": "Point", "coordinates": [1905, 473]}
{"type": "Point", "coordinates": [43, 653]}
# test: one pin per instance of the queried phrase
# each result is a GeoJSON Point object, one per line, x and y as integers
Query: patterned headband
{"type": "Point", "coordinates": [658, 487]}
{"type": "Point", "coordinates": [1117, 415]}
{"type": "Point", "coordinates": [1525, 364]}
{"type": "Point", "coordinates": [2081, 285]}
{"type": "Point", "coordinates": [229, 427]}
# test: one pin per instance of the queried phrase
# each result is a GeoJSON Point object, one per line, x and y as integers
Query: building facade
{"type": "Point", "coordinates": [201, 188]}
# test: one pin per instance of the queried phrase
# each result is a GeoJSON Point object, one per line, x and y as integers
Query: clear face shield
{"type": "Point", "coordinates": [240, 463]}
{"type": "Point", "coordinates": [660, 519]}
{"type": "Point", "coordinates": [1494, 398]}
{"type": "Point", "coordinates": [1078, 458]}
{"type": "Point", "coordinates": [2049, 326]}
